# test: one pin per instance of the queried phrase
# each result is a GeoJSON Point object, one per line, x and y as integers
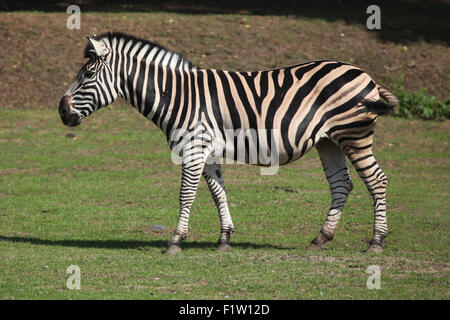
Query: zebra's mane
{"type": "Point", "coordinates": [126, 37]}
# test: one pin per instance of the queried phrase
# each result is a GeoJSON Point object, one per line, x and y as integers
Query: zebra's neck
{"type": "Point", "coordinates": [150, 77]}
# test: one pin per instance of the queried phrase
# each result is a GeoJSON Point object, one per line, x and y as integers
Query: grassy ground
{"type": "Point", "coordinates": [88, 199]}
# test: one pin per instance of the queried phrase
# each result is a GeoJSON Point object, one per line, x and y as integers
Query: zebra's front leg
{"type": "Point", "coordinates": [192, 167]}
{"type": "Point", "coordinates": [213, 176]}
{"type": "Point", "coordinates": [335, 167]}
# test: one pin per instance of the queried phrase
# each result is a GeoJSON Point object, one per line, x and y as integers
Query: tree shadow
{"type": "Point", "coordinates": [136, 244]}
{"type": "Point", "coordinates": [402, 21]}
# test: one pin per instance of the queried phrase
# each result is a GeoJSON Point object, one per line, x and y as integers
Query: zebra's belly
{"type": "Point", "coordinates": [259, 152]}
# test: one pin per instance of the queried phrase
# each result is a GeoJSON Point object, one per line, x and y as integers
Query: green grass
{"type": "Point", "coordinates": [89, 201]}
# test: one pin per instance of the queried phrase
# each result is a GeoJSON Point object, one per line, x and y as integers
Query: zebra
{"type": "Point", "coordinates": [330, 105]}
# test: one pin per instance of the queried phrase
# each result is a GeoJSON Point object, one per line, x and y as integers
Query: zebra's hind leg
{"type": "Point", "coordinates": [213, 176]}
{"type": "Point", "coordinates": [356, 139]}
{"type": "Point", "coordinates": [376, 181]}
{"type": "Point", "coordinates": [335, 168]}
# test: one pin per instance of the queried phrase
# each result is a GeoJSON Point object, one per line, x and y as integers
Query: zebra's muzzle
{"type": "Point", "coordinates": [68, 117]}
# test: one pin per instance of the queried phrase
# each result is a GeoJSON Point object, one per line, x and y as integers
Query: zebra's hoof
{"type": "Point", "coordinates": [173, 249]}
{"type": "Point", "coordinates": [373, 248]}
{"type": "Point", "coordinates": [223, 247]}
{"type": "Point", "coordinates": [314, 247]}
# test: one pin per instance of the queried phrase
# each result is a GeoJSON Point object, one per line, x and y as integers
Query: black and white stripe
{"type": "Point", "coordinates": [327, 104]}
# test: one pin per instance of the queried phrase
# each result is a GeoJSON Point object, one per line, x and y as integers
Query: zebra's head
{"type": "Point", "coordinates": [93, 86]}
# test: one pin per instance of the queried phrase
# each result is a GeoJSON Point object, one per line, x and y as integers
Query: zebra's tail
{"type": "Point", "coordinates": [379, 107]}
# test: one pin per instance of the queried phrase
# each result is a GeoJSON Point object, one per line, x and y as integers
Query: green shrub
{"type": "Point", "coordinates": [419, 104]}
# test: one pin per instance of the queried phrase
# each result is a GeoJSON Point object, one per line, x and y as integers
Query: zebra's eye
{"type": "Point", "coordinates": [89, 73]}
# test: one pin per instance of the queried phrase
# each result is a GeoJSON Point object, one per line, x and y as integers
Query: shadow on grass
{"type": "Point", "coordinates": [136, 244]}
{"type": "Point", "coordinates": [402, 20]}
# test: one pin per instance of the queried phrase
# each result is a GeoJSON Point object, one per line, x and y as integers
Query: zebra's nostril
{"type": "Point", "coordinates": [64, 110]}
{"type": "Point", "coordinates": [64, 106]}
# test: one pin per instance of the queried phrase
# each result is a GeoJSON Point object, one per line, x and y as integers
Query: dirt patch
{"type": "Point", "coordinates": [153, 232]}
{"type": "Point", "coordinates": [166, 233]}
{"type": "Point", "coordinates": [7, 172]}
{"type": "Point", "coordinates": [324, 259]}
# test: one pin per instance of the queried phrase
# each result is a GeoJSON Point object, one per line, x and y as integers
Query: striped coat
{"type": "Point", "coordinates": [267, 118]}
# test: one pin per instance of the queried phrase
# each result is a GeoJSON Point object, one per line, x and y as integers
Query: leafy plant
{"type": "Point", "coordinates": [419, 104]}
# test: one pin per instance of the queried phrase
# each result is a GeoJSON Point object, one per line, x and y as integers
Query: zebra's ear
{"type": "Point", "coordinates": [98, 47]}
